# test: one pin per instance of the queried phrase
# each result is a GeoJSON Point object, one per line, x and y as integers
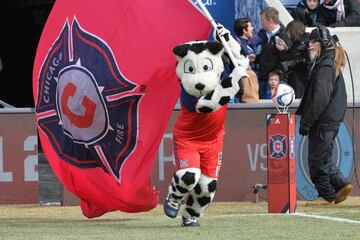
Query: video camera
{"type": "Point", "coordinates": [300, 56]}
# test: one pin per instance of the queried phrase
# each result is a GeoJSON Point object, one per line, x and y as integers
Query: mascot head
{"type": "Point", "coordinates": [199, 66]}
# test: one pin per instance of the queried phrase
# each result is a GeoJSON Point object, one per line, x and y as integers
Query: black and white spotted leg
{"type": "Point", "coordinates": [183, 181]}
{"type": "Point", "coordinates": [200, 197]}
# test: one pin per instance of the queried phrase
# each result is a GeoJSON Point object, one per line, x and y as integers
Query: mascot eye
{"type": "Point", "coordinates": [189, 67]}
{"type": "Point", "coordinates": [207, 65]}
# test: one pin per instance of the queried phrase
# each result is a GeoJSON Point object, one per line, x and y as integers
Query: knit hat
{"type": "Point", "coordinates": [314, 35]}
{"type": "Point", "coordinates": [321, 34]}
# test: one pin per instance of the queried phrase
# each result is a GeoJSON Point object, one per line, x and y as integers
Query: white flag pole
{"type": "Point", "coordinates": [213, 23]}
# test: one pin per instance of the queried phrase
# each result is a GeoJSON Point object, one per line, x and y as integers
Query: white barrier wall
{"type": "Point", "coordinates": [350, 39]}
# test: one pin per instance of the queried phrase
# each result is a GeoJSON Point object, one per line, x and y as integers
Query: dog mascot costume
{"type": "Point", "coordinates": [199, 129]}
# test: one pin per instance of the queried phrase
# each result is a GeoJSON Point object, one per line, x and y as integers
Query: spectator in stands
{"type": "Point", "coordinates": [274, 80]}
{"type": "Point", "coordinates": [294, 61]}
{"type": "Point", "coordinates": [244, 31]}
{"type": "Point", "coordinates": [307, 11]}
{"type": "Point", "coordinates": [269, 58]}
{"type": "Point", "coordinates": [322, 110]}
{"type": "Point", "coordinates": [341, 13]}
{"type": "Point", "coordinates": [250, 84]}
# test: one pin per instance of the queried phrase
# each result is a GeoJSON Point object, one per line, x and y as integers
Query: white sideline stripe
{"type": "Point", "coordinates": [335, 212]}
{"type": "Point", "coordinates": [250, 215]}
{"type": "Point", "coordinates": [336, 219]}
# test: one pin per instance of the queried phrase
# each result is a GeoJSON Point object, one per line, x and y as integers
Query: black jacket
{"type": "Point", "coordinates": [269, 58]}
{"type": "Point", "coordinates": [307, 16]}
{"type": "Point", "coordinates": [295, 65]}
{"type": "Point", "coordinates": [324, 101]}
{"type": "Point", "coordinates": [352, 15]}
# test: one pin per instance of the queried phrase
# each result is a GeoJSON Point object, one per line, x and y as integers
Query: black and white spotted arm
{"type": "Point", "coordinates": [233, 45]}
{"type": "Point", "coordinates": [223, 92]}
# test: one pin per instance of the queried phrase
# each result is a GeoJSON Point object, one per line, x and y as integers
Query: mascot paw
{"type": "Point", "coordinates": [206, 105]}
{"type": "Point", "coordinates": [238, 73]}
{"type": "Point", "coordinates": [233, 45]}
{"type": "Point", "coordinates": [222, 32]}
{"type": "Point", "coordinates": [222, 94]}
{"type": "Point", "coordinates": [243, 61]}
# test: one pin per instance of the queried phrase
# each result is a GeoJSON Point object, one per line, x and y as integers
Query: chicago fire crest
{"type": "Point", "coordinates": [277, 146]}
{"type": "Point", "coordinates": [85, 105]}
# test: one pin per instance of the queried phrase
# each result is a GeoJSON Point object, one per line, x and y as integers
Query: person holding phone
{"type": "Point", "coordinates": [269, 58]}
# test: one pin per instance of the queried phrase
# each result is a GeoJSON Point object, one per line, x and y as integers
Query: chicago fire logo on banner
{"type": "Point", "coordinates": [85, 105]}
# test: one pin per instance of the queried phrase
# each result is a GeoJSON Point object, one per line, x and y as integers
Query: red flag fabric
{"type": "Point", "coordinates": [104, 86]}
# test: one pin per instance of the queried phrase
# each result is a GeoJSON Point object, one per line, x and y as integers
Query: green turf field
{"type": "Point", "coordinates": [221, 221]}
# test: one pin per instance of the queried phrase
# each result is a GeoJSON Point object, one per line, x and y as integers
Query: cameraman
{"type": "Point", "coordinates": [294, 61]}
{"type": "Point", "coordinates": [322, 109]}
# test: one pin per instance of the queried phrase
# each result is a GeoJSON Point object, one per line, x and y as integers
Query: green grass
{"type": "Point", "coordinates": [221, 221]}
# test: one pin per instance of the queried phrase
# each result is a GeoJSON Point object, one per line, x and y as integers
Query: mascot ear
{"type": "Point", "coordinates": [181, 50]}
{"type": "Point", "coordinates": [214, 47]}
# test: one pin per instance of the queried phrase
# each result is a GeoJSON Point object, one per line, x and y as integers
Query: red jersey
{"type": "Point", "coordinates": [199, 126]}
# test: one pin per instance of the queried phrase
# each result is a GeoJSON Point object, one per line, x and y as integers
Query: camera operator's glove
{"type": "Point", "coordinates": [303, 131]}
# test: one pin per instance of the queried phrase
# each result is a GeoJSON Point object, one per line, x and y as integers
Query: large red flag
{"type": "Point", "coordinates": [104, 86]}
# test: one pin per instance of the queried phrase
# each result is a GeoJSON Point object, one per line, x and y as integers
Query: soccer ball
{"type": "Point", "coordinates": [283, 95]}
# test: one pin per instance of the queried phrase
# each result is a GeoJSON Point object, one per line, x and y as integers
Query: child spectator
{"type": "Point", "coordinates": [274, 80]}
{"type": "Point", "coordinates": [307, 11]}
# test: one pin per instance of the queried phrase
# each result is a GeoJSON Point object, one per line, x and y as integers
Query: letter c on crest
{"type": "Point", "coordinates": [87, 119]}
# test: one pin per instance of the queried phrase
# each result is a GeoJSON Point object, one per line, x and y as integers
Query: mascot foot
{"type": "Point", "coordinates": [190, 222]}
{"type": "Point", "coordinates": [171, 208]}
